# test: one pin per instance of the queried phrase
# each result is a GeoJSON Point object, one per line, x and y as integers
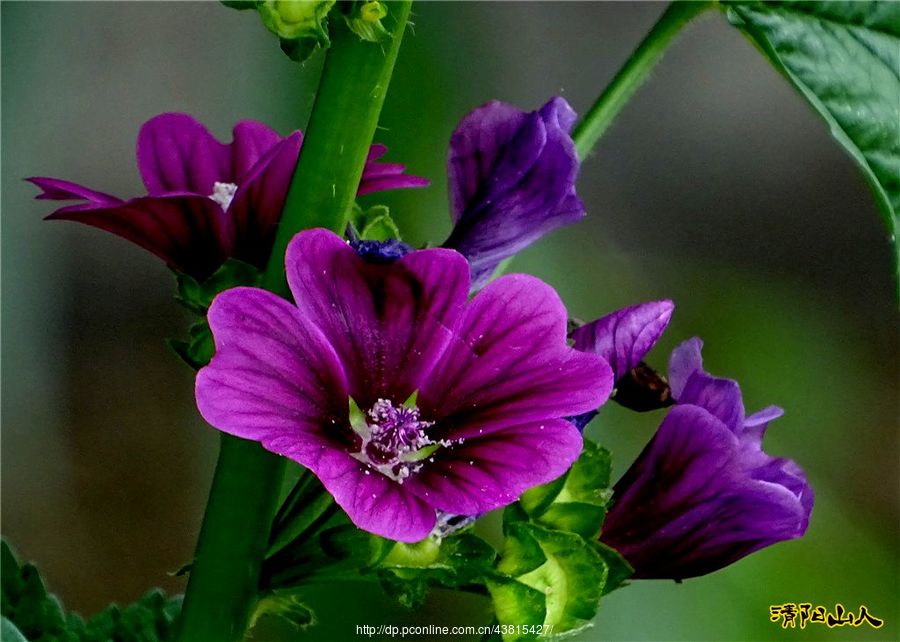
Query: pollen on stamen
{"type": "Point", "coordinates": [223, 193]}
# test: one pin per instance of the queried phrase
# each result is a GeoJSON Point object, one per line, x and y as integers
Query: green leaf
{"type": "Point", "coordinates": [576, 501]}
{"type": "Point", "coordinates": [546, 578]}
{"type": "Point", "coordinates": [844, 59]}
{"type": "Point", "coordinates": [35, 614]}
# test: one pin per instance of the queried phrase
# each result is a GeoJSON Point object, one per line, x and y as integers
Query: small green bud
{"type": "Point", "coordinates": [295, 19]}
{"type": "Point", "coordinates": [364, 19]}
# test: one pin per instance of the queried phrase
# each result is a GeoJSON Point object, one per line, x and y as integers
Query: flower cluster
{"type": "Point", "coordinates": [702, 494]}
{"type": "Point", "coordinates": [416, 406]}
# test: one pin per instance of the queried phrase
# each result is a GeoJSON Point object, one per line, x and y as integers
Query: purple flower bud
{"type": "Point", "coordinates": [512, 180]}
{"type": "Point", "coordinates": [703, 494]}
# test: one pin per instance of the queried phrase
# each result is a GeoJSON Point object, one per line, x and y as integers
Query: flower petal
{"type": "Point", "coordinates": [190, 233]}
{"type": "Point", "coordinates": [175, 153]}
{"type": "Point", "coordinates": [685, 360]}
{"type": "Point", "coordinates": [274, 378]}
{"type": "Point", "coordinates": [381, 177]}
{"type": "Point", "coordinates": [688, 505]}
{"type": "Point", "coordinates": [511, 364]}
{"type": "Point", "coordinates": [721, 397]}
{"type": "Point", "coordinates": [691, 384]}
{"type": "Point", "coordinates": [55, 189]}
{"type": "Point", "coordinates": [372, 501]}
{"type": "Point", "coordinates": [624, 337]}
{"type": "Point", "coordinates": [493, 470]}
{"type": "Point", "coordinates": [391, 322]}
{"type": "Point", "coordinates": [252, 141]}
{"type": "Point", "coordinates": [512, 180]}
{"type": "Point", "coordinates": [258, 203]}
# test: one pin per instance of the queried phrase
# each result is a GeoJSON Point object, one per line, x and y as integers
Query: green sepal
{"type": "Point", "coordinates": [346, 542]}
{"type": "Point", "coordinates": [285, 605]}
{"type": "Point", "coordinates": [619, 569]}
{"type": "Point", "coordinates": [300, 25]}
{"type": "Point", "coordinates": [576, 501]}
{"type": "Point", "coordinates": [300, 49]}
{"type": "Point", "coordinates": [364, 19]}
{"type": "Point", "coordinates": [197, 296]}
{"type": "Point", "coordinates": [199, 347]}
{"type": "Point", "coordinates": [374, 224]}
{"type": "Point", "coordinates": [459, 560]}
{"type": "Point", "coordinates": [546, 578]}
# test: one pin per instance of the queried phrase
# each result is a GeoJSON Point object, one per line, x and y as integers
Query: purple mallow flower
{"type": "Point", "coordinates": [207, 201]}
{"type": "Point", "coordinates": [512, 180]}
{"type": "Point", "coordinates": [402, 396]}
{"type": "Point", "coordinates": [703, 494]}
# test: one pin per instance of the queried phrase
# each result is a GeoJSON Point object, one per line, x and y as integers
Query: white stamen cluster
{"type": "Point", "coordinates": [223, 193]}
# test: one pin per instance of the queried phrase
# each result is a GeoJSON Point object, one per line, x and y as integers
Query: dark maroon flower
{"type": "Point", "coordinates": [405, 398]}
{"type": "Point", "coordinates": [703, 494]}
{"type": "Point", "coordinates": [206, 201]}
{"type": "Point", "coordinates": [512, 180]}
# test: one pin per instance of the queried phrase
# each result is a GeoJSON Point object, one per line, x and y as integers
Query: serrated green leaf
{"type": "Point", "coordinates": [577, 500]}
{"type": "Point", "coordinates": [38, 615]}
{"type": "Point", "coordinates": [844, 59]}
{"type": "Point", "coordinates": [546, 577]}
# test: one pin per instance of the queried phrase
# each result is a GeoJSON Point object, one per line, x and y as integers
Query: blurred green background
{"type": "Point", "coordinates": [717, 187]}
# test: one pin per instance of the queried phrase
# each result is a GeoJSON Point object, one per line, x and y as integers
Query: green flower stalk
{"type": "Point", "coordinates": [223, 589]}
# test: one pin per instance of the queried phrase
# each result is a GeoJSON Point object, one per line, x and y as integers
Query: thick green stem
{"type": "Point", "coordinates": [635, 71]}
{"type": "Point", "coordinates": [222, 590]}
{"type": "Point", "coordinates": [352, 90]}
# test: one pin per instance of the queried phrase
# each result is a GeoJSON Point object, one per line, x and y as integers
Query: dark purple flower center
{"type": "Point", "coordinates": [381, 252]}
{"type": "Point", "coordinates": [393, 439]}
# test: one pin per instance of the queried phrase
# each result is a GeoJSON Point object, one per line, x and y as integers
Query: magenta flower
{"type": "Point", "coordinates": [206, 201]}
{"type": "Point", "coordinates": [512, 180]}
{"type": "Point", "coordinates": [403, 397]}
{"type": "Point", "coordinates": [703, 494]}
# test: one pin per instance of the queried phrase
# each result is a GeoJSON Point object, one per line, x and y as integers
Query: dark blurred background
{"type": "Point", "coordinates": [717, 187]}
